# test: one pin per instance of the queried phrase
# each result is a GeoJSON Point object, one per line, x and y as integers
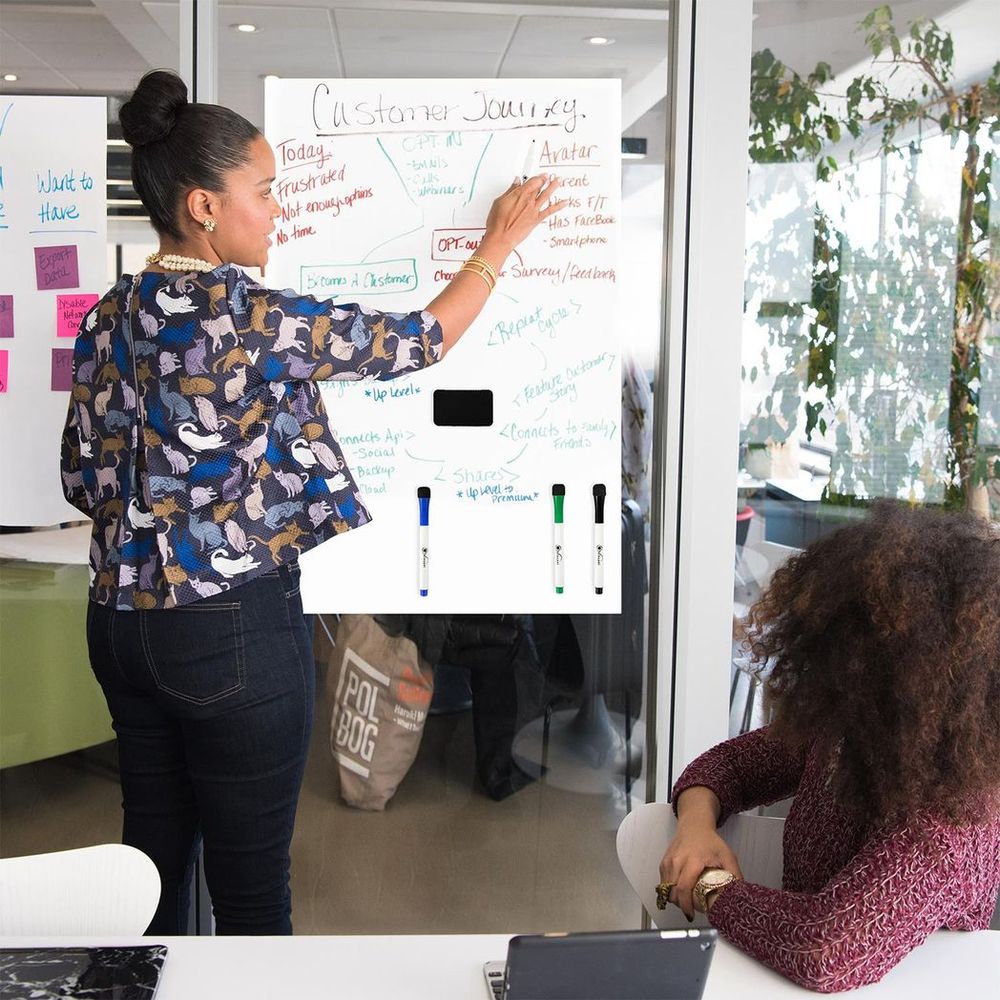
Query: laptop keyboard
{"type": "Point", "coordinates": [495, 981]}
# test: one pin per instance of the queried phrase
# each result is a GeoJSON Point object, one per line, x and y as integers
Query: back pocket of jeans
{"type": "Point", "coordinates": [195, 652]}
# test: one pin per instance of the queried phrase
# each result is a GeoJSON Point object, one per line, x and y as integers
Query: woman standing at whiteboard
{"type": "Point", "coordinates": [198, 443]}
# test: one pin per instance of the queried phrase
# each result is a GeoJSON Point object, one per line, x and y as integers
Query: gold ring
{"type": "Point", "coordinates": [663, 891]}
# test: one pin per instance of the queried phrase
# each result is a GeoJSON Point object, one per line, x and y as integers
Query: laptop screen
{"type": "Point", "coordinates": [615, 965]}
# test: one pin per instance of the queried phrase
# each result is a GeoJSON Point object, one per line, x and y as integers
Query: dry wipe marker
{"type": "Point", "coordinates": [600, 492]}
{"type": "Point", "coordinates": [424, 500]}
{"type": "Point", "coordinates": [529, 163]}
{"type": "Point", "coordinates": [558, 496]}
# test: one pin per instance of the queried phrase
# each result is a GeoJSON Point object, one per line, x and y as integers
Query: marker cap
{"type": "Point", "coordinates": [600, 492]}
{"type": "Point", "coordinates": [558, 497]}
{"type": "Point", "coordinates": [424, 499]}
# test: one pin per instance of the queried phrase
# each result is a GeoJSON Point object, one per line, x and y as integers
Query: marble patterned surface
{"type": "Point", "coordinates": [82, 973]}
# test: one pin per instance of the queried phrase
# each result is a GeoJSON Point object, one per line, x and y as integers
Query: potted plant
{"type": "Point", "coordinates": [881, 344]}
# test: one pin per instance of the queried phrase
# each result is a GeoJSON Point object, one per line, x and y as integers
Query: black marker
{"type": "Point", "coordinates": [600, 491]}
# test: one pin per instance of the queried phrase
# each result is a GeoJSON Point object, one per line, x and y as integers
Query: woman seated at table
{"type": "Point", "coordinates": [883, 648]}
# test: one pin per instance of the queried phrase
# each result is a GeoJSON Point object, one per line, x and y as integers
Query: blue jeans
{"type": "Point", "coordinates": [212, 704]}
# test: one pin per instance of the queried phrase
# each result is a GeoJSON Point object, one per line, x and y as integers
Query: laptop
{"type": "Point", "coordinates": [607, 965]}
{"type": "Point", "coordinates": [126, 973]}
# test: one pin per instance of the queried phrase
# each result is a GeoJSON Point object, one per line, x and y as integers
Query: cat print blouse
{"type": "Point", "coordinates": [197, 439]}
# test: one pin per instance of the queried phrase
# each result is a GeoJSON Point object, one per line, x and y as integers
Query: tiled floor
{"type": "Point", "coordinates": [442, 858]}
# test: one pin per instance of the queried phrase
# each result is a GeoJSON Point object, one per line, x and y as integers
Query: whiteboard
{"type": "Point", "coordinates": [53, 243]}
{"type": "Point", "coordinates": [385, 186]}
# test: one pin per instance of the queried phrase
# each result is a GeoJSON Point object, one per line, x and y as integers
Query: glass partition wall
{"type": "Point", "coordinates": [58, 779]}
{"type": "Point", "coordinates": [537, 850]}
{"type": "Point", "coordinates": [444, 856]}
{"type": "Point", "coordinates": [868, 355]}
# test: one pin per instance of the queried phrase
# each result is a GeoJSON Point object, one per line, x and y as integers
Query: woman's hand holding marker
{"type": "Point", "coordinates": [520, 208]}
{"type": "Point", "coordinates": [511, 219]}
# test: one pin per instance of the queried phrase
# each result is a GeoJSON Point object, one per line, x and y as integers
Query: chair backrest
{"type": "Point", "coordinates": [645, 832]}
{"type": "Point", "coordinates": [107, 889]}
{"type": "Point", "coordinates": [764, 559]}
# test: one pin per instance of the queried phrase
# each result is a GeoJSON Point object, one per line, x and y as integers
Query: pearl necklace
{"type": "Point", "coordinates": [175, 262]}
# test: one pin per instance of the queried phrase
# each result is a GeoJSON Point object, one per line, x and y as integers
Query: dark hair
{"type": "Point", "coordinates": [884, 647]}
{"type": "Point", "coordinates": [177, 146]}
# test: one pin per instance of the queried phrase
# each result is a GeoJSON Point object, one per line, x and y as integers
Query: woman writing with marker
{"type": "Point", "coordinates": [198, 443]}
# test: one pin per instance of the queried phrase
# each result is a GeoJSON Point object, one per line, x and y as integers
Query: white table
{"type": "Point", "coordinates": [449, 967]}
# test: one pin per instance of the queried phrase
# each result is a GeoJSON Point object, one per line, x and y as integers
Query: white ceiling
{"type": "Point", "coordinates": [103, 46]}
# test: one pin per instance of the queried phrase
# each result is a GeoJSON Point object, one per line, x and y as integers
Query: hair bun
{"type": "Point", "coordinates": [150, 113]}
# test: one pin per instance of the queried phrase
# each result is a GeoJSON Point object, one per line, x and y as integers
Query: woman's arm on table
{"type": "Point", "coordinates": [898, 889]}
{"type": "Point", "coordinates": [739, 774]}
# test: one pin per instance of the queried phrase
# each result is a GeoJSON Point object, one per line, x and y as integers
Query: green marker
{"type": "Point", "coordinates": [558, 496]}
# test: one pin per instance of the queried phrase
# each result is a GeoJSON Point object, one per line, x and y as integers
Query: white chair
{"type": "Point", "coordinates": [645, 832]}
{"type": "Point", "coordinates": [108, 889]}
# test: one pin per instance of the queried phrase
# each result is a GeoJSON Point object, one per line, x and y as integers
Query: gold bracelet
{"type": "Point", "coordinates": [482, 265]}
{"type": "Point", "coordinates": [479, 266]}
{"type": "Point", "coordinates": [472, 269]}
{"type": "Point", "coordinates": [489, 267]}
{"type": "Point", "coordinates": [489, 287]}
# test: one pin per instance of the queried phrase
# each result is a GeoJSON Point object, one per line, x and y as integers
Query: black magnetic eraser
{"type": "Point", "coordinates": [463, 407]}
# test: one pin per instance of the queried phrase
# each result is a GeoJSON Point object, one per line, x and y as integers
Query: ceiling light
{"type": "Point", "coordinates": [10, 77]}
{"type": "Point", "coordinates": [245, 27]}
{"type": "Point", "coordinates": [599, 40]}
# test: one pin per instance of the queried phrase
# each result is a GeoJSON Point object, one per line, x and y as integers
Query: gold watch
{"type": "Point", "coordinates": [710, 882]}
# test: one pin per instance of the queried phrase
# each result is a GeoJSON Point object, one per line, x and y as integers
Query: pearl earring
{"type": "Point", "coordinates": [209, 225]}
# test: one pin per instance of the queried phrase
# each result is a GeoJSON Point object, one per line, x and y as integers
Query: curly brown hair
{"type": "Point", "coordinates": [881, 644]}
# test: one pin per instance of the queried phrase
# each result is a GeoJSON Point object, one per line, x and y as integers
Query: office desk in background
{"type": "Point", "coordinates": [794, 515]}
{"type": "Point", "coordinates": [50, 702]}
{"type": "Point", "coordinates": [449, 967]}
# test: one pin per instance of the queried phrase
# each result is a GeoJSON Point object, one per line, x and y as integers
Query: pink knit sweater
{"type": "Point", "coordinates": [854, 901]}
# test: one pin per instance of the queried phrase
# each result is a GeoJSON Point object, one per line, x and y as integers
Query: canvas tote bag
{"type": "Point", "coordinates": [381, 689]}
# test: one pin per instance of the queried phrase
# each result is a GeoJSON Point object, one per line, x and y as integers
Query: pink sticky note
{"type": "Point", "coordinates": [70, 309]}
{"type": "Point", "coordinates": [56, 267]}
{"type": "Point", "coordinates": [62, 368]}
{"type": "Point", "coordinates": [6, 315]}
{"type": "Point", "coordinates": [3, 371]}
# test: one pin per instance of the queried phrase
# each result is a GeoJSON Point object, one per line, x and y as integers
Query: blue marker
{"type": "Point", "coordinates": [424, 499]}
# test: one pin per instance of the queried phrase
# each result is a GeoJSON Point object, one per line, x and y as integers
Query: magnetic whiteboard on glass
{"type": "Point", "coordinates": [53, 243]}
{"type": "Point", "coordinates": [385, 186]}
